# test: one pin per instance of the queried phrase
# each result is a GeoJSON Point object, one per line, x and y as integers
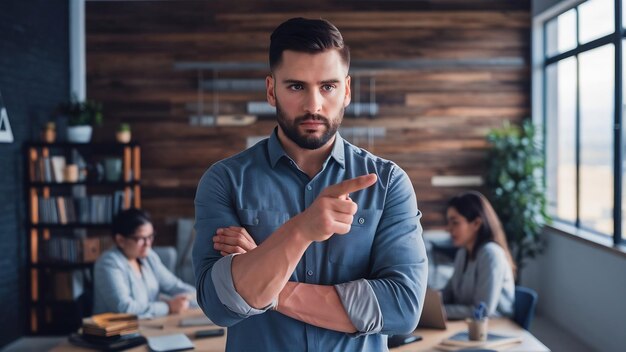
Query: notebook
{"type": "Point", "coordinates": [174, 342]}
{"type": "Point", "coordinates": [461, 341]}
{"type": "Point", "coordinates": [118, 343]}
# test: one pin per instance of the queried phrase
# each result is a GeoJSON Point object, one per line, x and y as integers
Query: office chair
{"type": "Point", "coordinates": [525, 303]}
{"type": "Point", "coordinates": [441, 252]}
{"type": "Point", "coordinates": [168, 255]}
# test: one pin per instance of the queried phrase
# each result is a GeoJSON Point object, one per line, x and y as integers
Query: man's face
{"type": "Point", "coordinates": [310, 93]}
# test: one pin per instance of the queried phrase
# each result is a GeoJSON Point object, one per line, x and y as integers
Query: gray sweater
{"type": "Point", "coordinates": [487, 278]}
{"type": "Point", "coordinates": [117, 288]}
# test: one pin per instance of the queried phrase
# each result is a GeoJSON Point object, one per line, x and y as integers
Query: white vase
{"type": "Point", "coordinates": [79, 134]}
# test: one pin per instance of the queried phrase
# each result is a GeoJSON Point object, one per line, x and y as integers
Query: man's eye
{"type": "Point", "coordinates": [296, 87]}
{"type": "Point", "coordinates": [328, 87]}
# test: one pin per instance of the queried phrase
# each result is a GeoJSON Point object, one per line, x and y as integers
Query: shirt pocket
{"type": "Point", "coordinates": [353, 249]}
{"type": "Point", "coordinates": [260, 224]}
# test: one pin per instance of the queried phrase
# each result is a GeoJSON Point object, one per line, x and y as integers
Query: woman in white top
{"type": "Point", "coordinates": [483, 267]}
{"type": "Point", "coordinates": [130, 277]}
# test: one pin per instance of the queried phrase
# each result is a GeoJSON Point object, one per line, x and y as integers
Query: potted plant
{"type": "Point", "coordinates": [48, 134]}
{"type": "Point", "coordinates": [514, 178]}
{"type": "Point", "coordinates": [82, 116]}
{"type": "Point", "coordinates": [123, 133]}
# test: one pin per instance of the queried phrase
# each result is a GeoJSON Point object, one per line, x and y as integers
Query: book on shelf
{"type": "Point", "coordinates": [47, 169]}
{"type": "Point", "coordinates": [93, 209]}
{"type": "Point", "coordinates": [57, 164]}
{"type": "Point", "coordinates": [63, 249]}
{"type": "Point", "coordinates": [460, 341]}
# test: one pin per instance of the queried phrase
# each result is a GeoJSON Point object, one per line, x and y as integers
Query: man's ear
{"type": "Point", "coordinates": [270, 91]}
{"type": "Point", "coordinates": [348, 98]}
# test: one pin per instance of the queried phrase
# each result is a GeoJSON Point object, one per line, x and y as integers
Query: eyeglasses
{"type": "Point", "coordinates": [141, 240]}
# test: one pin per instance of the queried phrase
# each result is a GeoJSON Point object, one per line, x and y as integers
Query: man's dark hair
{"type": "Point", "coordinates": [127, 221]}
{"type": "Point", "coordinates": [306, 35]}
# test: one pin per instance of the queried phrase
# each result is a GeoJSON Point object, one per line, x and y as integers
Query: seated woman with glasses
{"type": "Point", "coordinates": [129, 277]}
{"type": "Point", "coordinates": [483, 267]}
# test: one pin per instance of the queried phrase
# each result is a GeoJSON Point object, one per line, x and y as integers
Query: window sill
{"type": "Point", "coordinates": [602, 242]}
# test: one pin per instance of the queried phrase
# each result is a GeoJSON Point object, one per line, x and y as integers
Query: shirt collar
{"type": "Point", "coordinates": [276, 150]}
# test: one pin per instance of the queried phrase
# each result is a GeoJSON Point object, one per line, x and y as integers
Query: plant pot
{"type": "Point", "coordinates": [123, 136]}
{"type": "Point", "coordinates": [49, 135]}
{"type": "Point", "coordinates": [79, 134]}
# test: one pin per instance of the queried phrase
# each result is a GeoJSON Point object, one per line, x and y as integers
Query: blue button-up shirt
{"type": "Point", "coordinates": [379, 268]}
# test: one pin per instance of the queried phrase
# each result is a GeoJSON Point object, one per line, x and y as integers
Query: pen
{"type": "Point", "coordinates": [480, 312]}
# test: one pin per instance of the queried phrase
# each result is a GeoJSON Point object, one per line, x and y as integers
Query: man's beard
{"type": "Point", "coordinates": [308, 141]}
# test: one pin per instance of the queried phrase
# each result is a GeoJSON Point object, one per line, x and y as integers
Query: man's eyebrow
{"type": "Point", "coordinates": [295, 81]}
{"type": "Point", "coordinates": [292, 81]}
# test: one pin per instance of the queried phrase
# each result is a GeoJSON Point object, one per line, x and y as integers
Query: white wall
{"type": "Point", "coordinates": [581, 288]}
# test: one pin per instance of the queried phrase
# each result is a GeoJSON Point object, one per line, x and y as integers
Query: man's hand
{"type": "Point", "coordinates": [233, 239]}
{"type": "Point", "coordinates": [333, 210]}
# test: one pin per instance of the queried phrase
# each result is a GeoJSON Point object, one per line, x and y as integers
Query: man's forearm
{"type": "Point", "coordinates": [317, 305]}
{"type": "Point", "coordinates": [260, 275]}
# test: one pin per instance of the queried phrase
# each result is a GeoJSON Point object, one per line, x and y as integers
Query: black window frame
{"type": "Point", "coordinates": [615, 38]}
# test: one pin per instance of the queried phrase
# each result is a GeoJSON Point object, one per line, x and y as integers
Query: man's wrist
{"type": "Point", "coordinates": [294, 231]}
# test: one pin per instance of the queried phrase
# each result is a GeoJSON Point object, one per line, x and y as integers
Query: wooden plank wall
{"type": "Point", "coordinates": [435, 115]}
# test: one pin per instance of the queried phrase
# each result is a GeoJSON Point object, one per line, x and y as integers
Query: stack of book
{"type": "Point", "coordinates": [461, 341]}
{"type": "Point", "coordinates": [110, 324]}
{"type": "Point", "coordinates": [109, 332]}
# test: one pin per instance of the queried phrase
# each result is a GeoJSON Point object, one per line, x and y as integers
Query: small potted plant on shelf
{"type": "Point", "coordinates": [82, 116]}
{"type": "Point", "coordinates": [49, 133]}
{"type": "Point", "coordinates": [123, 133]}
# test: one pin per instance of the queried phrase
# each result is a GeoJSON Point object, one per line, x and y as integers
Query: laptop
{"type": "Point", "coordinates": [433, 313]}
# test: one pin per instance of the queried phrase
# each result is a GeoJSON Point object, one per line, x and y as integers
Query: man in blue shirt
{"type": "Point", "coordinates": [340, 261]}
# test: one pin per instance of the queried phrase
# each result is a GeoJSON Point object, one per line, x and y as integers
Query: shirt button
{"type": "Point", "coordinates": [256, 221]}
{"type": "Point", "coordinates": [310, 272]}
{"type": "Point", "coordinates": [309, 187]}
{"type": "Point", "coordinates": [361, 221]}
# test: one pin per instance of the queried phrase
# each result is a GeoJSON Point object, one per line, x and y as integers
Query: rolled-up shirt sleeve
{"type": "Point", "coordinates": [399, 265]}
{"type": "Point", "coordinates": [215, 290]}
{"type": "Point", "coordinates": [362, 306]}
{"type": "Point", "coordinates": [225, 289]}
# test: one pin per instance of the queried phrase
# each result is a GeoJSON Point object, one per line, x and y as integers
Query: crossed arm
{"type": "Point", "coordinates": [260, 275]}
{"type": "Point", "coordinates": [296, 300]}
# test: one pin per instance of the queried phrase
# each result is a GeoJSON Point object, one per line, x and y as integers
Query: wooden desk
{"type": "Point", "coordinates": [170, 326]}
{"type": "Point", "coordinates": [430, 337]}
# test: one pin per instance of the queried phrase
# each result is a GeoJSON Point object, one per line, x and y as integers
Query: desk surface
{"type": "Point", "coordinates": [430, 337]}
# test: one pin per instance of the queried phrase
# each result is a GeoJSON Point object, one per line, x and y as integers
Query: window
{"type": "Point", "coordinates": [596, 19]}
{"type": "Point", "coordinates": [578, 100]}
{"type": "Point", "coordinates": [596, 139]}
{"type": "Point", "coordinates": [561, 146]}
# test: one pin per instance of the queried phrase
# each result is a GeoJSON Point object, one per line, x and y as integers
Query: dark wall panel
{"type": "Point", "coordinates": [34, 78]}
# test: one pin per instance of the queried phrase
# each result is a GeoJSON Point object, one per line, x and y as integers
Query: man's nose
{"type": "Point", "coordinates": [313, 102]}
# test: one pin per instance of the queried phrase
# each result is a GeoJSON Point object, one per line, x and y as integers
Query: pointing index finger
{"type": "Point", "coordinates": [346, 187]}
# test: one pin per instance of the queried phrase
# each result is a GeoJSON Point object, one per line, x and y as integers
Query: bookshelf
{"type": "Point", "coordinates": [73, 191]}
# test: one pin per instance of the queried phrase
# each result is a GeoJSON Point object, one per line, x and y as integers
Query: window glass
{"type": "Point", "coordinates": [596, 19]}
{"type": "Point", "coordinates": [561, 138]}
{"type": "Point", "coordinates": [596, 138]}
{"type": "Point", "coordinates": [561, 33]}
